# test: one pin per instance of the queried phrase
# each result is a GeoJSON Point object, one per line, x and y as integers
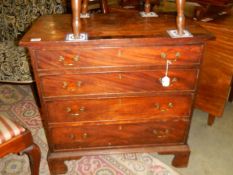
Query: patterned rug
{"type": "Point", "coordinates": [17, 103]}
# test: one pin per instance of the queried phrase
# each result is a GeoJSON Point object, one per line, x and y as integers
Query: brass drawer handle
{"type": "Point", "coordinates": [74, 59]}
{"type": "Point", "coordinates": [61, 58]}
{"type": "Point", "coordinates": [85, 135]}
{"type": "Point", "coordinates": [82, 109]}
{"type": "Point", "coordinates": [79, 83]}
{"type": "Point", "coordinates": [161, 133]}
{"type": "Point", "coordinates": [72, 136]}
{"type": "Point", "coordinates": [119, 53]}
{"type": "Point", "coordinates": [164, 132]}
{"type": "Point", "coordinates": [155, 131]}
{"type": "Point", "coordinates": [164, 56]}
{"type": "Point", "coordinates": [119, 76]}
{"type": "Point", "coordinates": [71, 86]}
{"type": "Point", "coordinates": [69, 111]}
{"type": "Point", "coordinates": [65, 85]}
{"type": "Point", "coordinates": [174, 80]}
{"type": "Point", "coordinates": [178, 55]}
{"type": "Point", "coordinates": [157, 106]}
{"type": "Point", "coordinates": [119, 128]}
{"type": "Point", "coordinates": [170, 105]}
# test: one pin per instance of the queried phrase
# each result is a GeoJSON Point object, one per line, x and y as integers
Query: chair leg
{"type": "Point", "coordinates": [34, 155]}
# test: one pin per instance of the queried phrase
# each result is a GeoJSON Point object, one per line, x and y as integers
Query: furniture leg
{"type": "Point", "coordinates": [57, 166]}
{"type": "Point", "coordinates": [34, 155]}
{"type": "Point", "coordinates": [76, 21]}
{"type": "Point", "coordinates": [181, 159]}
{"type": "Point", "coordinates": [84, 6]}
{"type": "Point", "coordinates": [201, 11]}
{"type": "Point", "coordinates": [147, 6]}
{"type": "Point", "coordinates": [104, 6]}
{"type": "Point", "coordinates": [211, 119]}
{"type": "Point", "coordinates": [180, 19]}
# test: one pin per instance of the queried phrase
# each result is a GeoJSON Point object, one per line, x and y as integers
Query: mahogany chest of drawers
{"type": "Point", "coordinates": [104, 95]}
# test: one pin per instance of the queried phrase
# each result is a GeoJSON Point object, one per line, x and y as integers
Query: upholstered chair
{"type": "Point", "coordinates": [16, 139]}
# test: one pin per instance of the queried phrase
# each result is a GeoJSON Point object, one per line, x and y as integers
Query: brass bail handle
{"type": "Point", "coordinates": [180, 19]}
{"type": "Point", "coordinates": [76, 21]}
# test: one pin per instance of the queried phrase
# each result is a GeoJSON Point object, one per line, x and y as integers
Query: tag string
{"type": "Point", "coordinates": [167, 63]}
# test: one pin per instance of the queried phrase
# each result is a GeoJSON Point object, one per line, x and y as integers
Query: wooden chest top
{"type": "Point", "coordinates": [114, 29]}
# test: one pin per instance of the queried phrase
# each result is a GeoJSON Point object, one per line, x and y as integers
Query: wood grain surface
{"type": "Point", "coordinates": [105, 95]}
{"type": "Point", "coordinates": [217, 68]}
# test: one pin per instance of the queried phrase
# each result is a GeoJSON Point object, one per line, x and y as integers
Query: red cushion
{"type": "Point", "coordinates": [9, 129]}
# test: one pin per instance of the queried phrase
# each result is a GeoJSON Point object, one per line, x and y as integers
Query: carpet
{"type": "Point", "coordinates": [17, 103]}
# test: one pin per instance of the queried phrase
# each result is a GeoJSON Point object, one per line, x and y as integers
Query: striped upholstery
{"type": "Point", "coordinates": [8, 129]}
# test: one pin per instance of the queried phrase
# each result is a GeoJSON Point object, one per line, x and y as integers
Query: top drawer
{"type": "Point", "coordinates": [118, 57]}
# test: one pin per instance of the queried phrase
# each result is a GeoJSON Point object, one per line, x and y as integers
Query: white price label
{"type": "Point", "coordinates": [165, 81]}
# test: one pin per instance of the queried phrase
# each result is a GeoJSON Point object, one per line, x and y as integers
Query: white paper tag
{"type": "Point", "coordinates": [165, 81]}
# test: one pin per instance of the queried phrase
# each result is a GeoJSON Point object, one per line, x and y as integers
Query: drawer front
{"type": "Point", "coordinates": [90, 136]}
{"type": "Point", "coordinates": [115, 109]}
{"type": "Point", "coordinates": [118, 57]}
{"type": "Point", "coordinates": [113, 83]}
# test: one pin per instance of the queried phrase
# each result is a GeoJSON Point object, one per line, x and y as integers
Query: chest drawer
{"type": "Point", "coordinates": [90, 136]}
{"type": "Point", "coordinates": [118, 57]}
{"type": "Point", "coordinates": [122, 82]}
{"type": "Point", "coordinates": [115, 109]}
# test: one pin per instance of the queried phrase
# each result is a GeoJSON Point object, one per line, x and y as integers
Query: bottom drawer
{"type": "Point", "coordinates": [88, 136]}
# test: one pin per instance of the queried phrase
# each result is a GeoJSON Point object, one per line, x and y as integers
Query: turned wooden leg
{"type": "Point", "coordinates": [104, 6]}
{"type": "Point", "coordinates": [147, 6]}
{"type": "Point", "coordinates": [181, 159]}
{"type": "Point", "coordinates": [200, 12]}
{"type": "Point", "coordinates": [211, 119]}
{"type": "Point", "coordinates": [34, 155]}
{"type": "Point", "coordinates": [180, 19]}
{"type": "Point", "coordinates": [76, 21]}
{"type": "Point", "coordinates": [84, 6]}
